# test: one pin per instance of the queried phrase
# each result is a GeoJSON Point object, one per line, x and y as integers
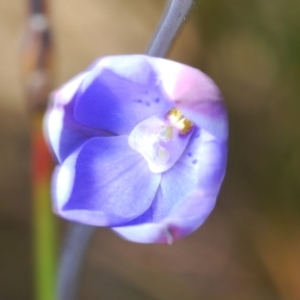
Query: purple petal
{"type": "Point", "coordinates": [172, 229]}
{"type": "Point", "coordinates": [195, 94]}
{"type": "Point", "coordinates": [118, 93]}
{"type": "Point", "coordinates": [186, 196]}
{"type": "Point", "coordinates": [62, 132]}
{"type": "Point", "coordinates": [104, 183]}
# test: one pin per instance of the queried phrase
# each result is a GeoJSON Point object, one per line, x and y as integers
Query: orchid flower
{"type": "Point", "coordinates": [141, 144]}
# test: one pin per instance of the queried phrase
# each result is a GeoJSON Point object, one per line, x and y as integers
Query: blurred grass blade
{"type": "Point", "coordinates": [36, 67]}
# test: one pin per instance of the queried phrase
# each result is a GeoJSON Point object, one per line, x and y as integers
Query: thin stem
{"type": "Point", "coordinates": [175, 14]}
{"type": "Point", "coordinates": [76, 243]}
{"type": "Point", "coordinates": [79, 235]}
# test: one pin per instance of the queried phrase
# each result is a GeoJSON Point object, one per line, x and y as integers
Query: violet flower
{"type": "Point", "coordinates": [141, 143]}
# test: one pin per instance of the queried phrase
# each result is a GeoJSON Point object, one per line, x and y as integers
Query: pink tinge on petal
{"type": "Point", "coordinates": [173, 228]}
{"type": "Point", "coordinates": [195, 94]}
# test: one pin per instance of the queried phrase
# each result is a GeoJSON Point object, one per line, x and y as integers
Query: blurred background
{"type": "Point", "coordinates": [249, 248]}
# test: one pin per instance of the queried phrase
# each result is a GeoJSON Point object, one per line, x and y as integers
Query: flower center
{"type": "Point", "coordinates": [161, 140]}
{"type": "Point", "coordinates": [177, 120]}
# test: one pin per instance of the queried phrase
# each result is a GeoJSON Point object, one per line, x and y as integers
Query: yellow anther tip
{"type": "Point", "coordinates": [177, 119]}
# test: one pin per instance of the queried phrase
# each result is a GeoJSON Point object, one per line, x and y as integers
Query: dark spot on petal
{"type": "Point", "coordinates": [147, 103]}
{"type": "Point", "coordinates": [156, 100]}
{"type": "Point", "coordinates": [189, 154]}
{"type": "Point", "coordinates": [138, 101]}
{"type": "Point", "coordinates": [197, 135]}
{"type": "Point", "coordinates": [194, 161]}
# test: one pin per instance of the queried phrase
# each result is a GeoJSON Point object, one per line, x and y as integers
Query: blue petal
{"type": "Point", "coordinates": [116, 96]}
{"type": "Point", "coordinates": [187, 195]}
{"type": "Point", "coordinates": [104, 183]}
{"type": "Point", "coordinates": [62, 132]}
